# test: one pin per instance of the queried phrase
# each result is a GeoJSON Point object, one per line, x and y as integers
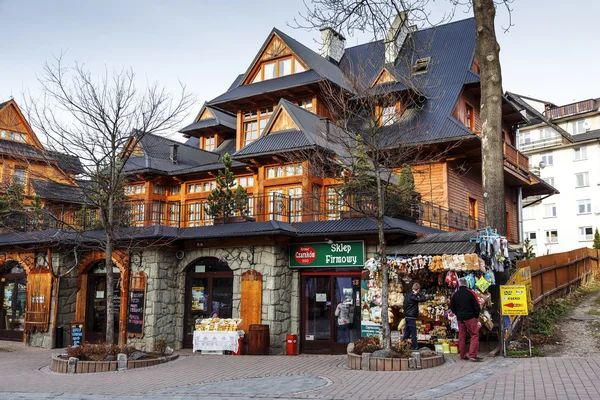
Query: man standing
{"type": "Point", "coordinates": [465, 306]}
{"type": "Point", "coordinates": [411, 313]}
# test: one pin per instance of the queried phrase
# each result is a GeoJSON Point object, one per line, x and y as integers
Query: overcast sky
{"type": "Point", "coordinates": [550, 53]}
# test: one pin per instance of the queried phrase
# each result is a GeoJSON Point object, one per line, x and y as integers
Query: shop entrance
{"type": "Point", "coordinates": [330, 311]}
{"type": "Point", "coordinates": [208, 291]}
{"type": "Point", "coordinates": [13, 300]}
{"type": "Point", "coordinates": [95, 316]}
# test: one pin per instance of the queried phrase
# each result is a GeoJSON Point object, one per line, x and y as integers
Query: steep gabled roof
{"type": "Point", "coordinates": [219, 118]}
{"type": "Point", "coordinates": [319, 69]}
{"type": "Point", "coordinates": [309, 131]}
{"type": "Point", "coordinates": [58, 191]}
{"type": "Point", "coordinates": [523, 105]}
{"type": "Point", "coordinates": [451, 48]}
{"type": "Point", "coordinates": [157, 156]}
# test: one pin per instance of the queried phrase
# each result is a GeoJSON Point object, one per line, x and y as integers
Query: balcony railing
{"type": "Point", "coordinates": [570, 109]}
{"type": "Point", "coordinates": [515, 158]}
{"type": "Point", "coordinates": [540, 143]}
{"type": "Point", "coordinates": [276, 207]}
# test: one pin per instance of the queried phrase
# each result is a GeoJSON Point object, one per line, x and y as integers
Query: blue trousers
{"type": "Point", "coordinates": [410, 329]}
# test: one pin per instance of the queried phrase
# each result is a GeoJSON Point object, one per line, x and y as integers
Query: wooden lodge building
{"type": "Point", "coordinates": [270, 114]}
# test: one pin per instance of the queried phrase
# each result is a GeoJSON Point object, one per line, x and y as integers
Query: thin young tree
{"type": "Point", "coordinates": [100, 120]}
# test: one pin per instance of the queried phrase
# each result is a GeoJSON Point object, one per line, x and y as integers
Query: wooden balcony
{"type": "Point", "coordinates": [570, 109]}
{"type": "Point", "coordinates": [516, 160]}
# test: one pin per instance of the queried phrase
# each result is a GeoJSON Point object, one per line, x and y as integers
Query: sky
{"type": "Point", "coordinates": [549, 53]}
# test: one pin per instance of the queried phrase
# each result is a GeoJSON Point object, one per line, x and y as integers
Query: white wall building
{"type": "Point", "coordinates": [563, 145]}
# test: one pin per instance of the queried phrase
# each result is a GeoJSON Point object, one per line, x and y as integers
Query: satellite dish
{"type": "Point", "coordinates": [586, 125]}
{"type": "Point", "coordinates": [542, 164]}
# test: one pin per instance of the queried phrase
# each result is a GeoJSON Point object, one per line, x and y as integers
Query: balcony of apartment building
{"type": "Point", "coordinates": [570, 109]}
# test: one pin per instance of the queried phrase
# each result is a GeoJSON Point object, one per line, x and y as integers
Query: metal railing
{"type": "Point", "coordinates": [274, 206]}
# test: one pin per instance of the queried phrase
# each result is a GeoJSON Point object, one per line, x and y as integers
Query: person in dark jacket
{"type": "Point", "coordinates": [411, 313]}
{"type": "Point", "coordinates": [465, 306]}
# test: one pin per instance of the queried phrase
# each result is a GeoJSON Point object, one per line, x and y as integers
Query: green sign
{"type": "Point", "coordinates": [337, 254]}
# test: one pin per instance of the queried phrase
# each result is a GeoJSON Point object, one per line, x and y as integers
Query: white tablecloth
{"type": "Point", "coordinates": [217, 340]}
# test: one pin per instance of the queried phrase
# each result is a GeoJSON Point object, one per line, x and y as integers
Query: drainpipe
{"type": "Point", "coordinates": [520, 213]}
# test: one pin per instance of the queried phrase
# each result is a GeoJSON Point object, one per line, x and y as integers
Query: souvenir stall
{"type": "Point", "coordinates": [217, 335]}
{"type": "Point", "coordinates": [438, 276]}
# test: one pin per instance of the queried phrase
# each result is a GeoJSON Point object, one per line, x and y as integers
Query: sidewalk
{"type": "Point", "coordinates": [23, 375]}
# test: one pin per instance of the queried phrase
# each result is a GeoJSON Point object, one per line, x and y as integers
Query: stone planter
{"type": "Point", "coordinates": [392, 364]}
{"type": "Point", "coordinates": [61, 365]}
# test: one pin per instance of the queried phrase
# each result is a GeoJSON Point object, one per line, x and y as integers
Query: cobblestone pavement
{"type": "Point", "coordinates": [24, 375]}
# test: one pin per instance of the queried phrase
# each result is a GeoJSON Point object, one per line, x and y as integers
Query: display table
{"type": "Point", "coordinates": [217, 341]}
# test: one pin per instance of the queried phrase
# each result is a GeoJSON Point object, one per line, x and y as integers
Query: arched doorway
{"type": "Point", "coordinates": [208, 290]}
{"type": "Point", "coordinates": [13, 300]}
{"type": "Point", "coordinates": [95, 315]}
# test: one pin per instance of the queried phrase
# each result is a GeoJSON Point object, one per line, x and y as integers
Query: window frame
{"type": "Point", "coordinates": [583, 235]}
{"type": "Point", "coordinates": [547, 158]}
{"type": "Point", "coordinates": [469, 117]}
{"type": "Point", "coordinates": [587, 205]}
{"type": "Point", "coordinates": [294, 62]}
{"type": "Point", "coordinates": [554, 210]}
{"type": "Point", "coordinates": [298, 170]}
{"type": "Point", "coordinates": [23, 178]}
{"type": "Point", "coordinates": [528, 236]}
{"type": "Point", "coordinates": [586, 179]}
{"type": "Point", "coordinates": [212, 143]}
{"type": "Point", "coordinates": [581, 151]}
{"type": "Point", "coordinates": [549, 236]}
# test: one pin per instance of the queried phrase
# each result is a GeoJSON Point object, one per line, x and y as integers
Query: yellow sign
{"type": "Point", "coordinates": [513, 300]}
{"type": "Point", "coordinates": [523, 277]}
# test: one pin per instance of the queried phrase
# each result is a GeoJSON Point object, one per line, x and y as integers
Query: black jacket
{"type": "Point", "coordinates": [411, 304]}
{"type": "Point", "coordinates": [464, 304]}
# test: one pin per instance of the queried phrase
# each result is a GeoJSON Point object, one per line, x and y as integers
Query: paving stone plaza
{"type": "Point", "coordinates": [24, 374]}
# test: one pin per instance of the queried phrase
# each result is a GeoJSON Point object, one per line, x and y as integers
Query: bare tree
{"type": "Point", "coordinates": [100, 120]}
{"type": "Point", "coordinates": [374, 16]}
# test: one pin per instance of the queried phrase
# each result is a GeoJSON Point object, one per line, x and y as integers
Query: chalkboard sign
{"type": "Point", "coordinates": [77, 333]}
{"type": "Point", "coordinates": [135, 313]}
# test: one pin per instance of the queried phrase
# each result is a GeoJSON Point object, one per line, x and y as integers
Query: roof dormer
{"type": "Point", "coordinates": [276, 60]}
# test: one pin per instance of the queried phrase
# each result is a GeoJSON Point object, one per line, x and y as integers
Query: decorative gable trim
{"type": "Point", "coordinates": [383, 77]}
{"type": "Point", "coordinates": [12, 107]}
{"type": "Point", "coordinates": [273, 48]}
{"type": "Point", "coordinates": [282, 122]}
{"type": "Point", "coordinates": [206, 114]}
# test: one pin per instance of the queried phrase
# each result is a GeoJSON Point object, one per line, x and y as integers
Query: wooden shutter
{"type": "Point", "coordinates": [39, 292]}
{"type": "Point", "coordinates": [251, 299]}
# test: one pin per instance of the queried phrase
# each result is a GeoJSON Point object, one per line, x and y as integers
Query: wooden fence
{"type": "Point", "coordinates": [557, 274]}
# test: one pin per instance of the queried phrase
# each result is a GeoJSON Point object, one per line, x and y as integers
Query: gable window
{"type": "Point", "coordinates": [582, 179]}
{"type": "Point", "coordinates": [584, 206]}
{"type": "Point", "coordinates": [548, 159]}
{"type": "Point", "coordinates": [552, 236]}
{"type": "Point", "coordinates": [250, 132]}
{"type": "Point", "coordinates": [209, 143]}
{"type": "Point", "coordinates": [531, 236]}
{"type": "Point", "coordinates": [14, 136]}
{"type": "Point", "coordinates": [469, 117]}
{"type": "Point", "coordinates": [549, 210]}
{"type": "Point", "coordinates": [278, 68]}
{"type": "Point", "coordinates": [580, 153]}
{"type": "Point", "coordinates": [19, 176]}
{"type": "Point", "coordinates": [586, 233]}
{"type": "Point", "coordinates": [421, 65]}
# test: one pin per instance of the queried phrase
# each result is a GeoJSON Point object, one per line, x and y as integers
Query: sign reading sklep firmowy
{"type": "Point", "coordinates": [513, 300]}
{"type": "Point", "coordinates": [337, 254]}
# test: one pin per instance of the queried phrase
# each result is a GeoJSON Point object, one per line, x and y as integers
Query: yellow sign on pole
{"type": "Point", "coordinates": [513, 300]}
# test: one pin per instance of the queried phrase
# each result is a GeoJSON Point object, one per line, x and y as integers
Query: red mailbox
{"type": "Point", "coordinates": [291, 345]}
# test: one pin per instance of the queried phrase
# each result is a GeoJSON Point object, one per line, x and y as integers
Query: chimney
{"type": "Point", "coordinates": [173, 155]}
{"type": "Point", "coordinates": [332, 44]}
{"type": "Point", "coordinates": [395, 37]}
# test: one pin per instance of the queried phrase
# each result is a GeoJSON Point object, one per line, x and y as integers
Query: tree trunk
{"type": "Point", "coordinates": [385, 322]}
{"type": "Point", "coordinates": [54, 307]}
{"type": "Point", "coordinates": [109, 291]}
{"type": "Point", "coordinates": [487, 51]}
